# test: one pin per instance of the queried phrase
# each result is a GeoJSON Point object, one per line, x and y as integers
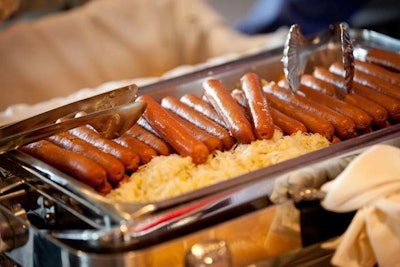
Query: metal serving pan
{"type": "Point", "coordinates": [107, 217]}
{"type": "Point", "coordinates": [218, 238]}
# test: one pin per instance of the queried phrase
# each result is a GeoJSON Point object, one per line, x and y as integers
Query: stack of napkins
{"type": "Point", "coordinates": [370, 184]}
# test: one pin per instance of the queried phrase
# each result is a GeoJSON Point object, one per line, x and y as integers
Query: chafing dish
{"type": "Point", "coordinates": [51, 219]}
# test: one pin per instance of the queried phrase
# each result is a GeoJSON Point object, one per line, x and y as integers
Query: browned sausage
{"type": "Point", "coordinates": [288, 124]}
{"type": "Point", "coordinates": [211, 141]}
{"type": "Point", "coordinates": [173, 132]}
{"type": "Point", "coordinates": [378, 113]}
{"type": "Point", "coordinates": [150, 139]}
{"type": "Point", "coordinates": [238, 95]}
{"type": "Point", "coordinates": [145, 125]}
{"type": "Point", "coordinates": [368, 80]}
{"type": "Point", "coordinates": [126, 178]}
{"type": "Point", "coordinates": [335, 140]}
{"type": "Point", "coordinates": [329, 77]}
{"type": "Point", "coordinates": [74, 164]}
{"type": "Point", "coordinates": [365, 130]}
{"type": "Point", "coordinates": [146, 153]}
{"type": "Point", "coordinates": [344, 126]}
{"type": "Point", "coordinates": [317, 84]}
{"type": "Point", "coordinates": [104, 188]}
{"type": "Point", "coordinates": [129, 158]}
{"type": "Point", "coordinates": [198, 119]}
{"type": "Point", "coordinates": [229, 110]}
{"type": "Point", "coordinates": [258, 106]}
{"type": "Point", "coordinates": [114, 167]}
{"type": "Point", "coordinates": [203, 107]}
{"type": "Point", "coordinates": [378, 71]}
{"type": "Point", "coordinates": [384, 58]}
{"type": "Point", "coordinates": [359, 116]}
{"type": "Point", "coordinates": [391, 105]}
{"type": "Point", "coordinates": [314, 123]}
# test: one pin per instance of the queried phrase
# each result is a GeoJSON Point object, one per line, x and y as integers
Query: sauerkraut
{"type": "Point", "coordinates": [168, 176]}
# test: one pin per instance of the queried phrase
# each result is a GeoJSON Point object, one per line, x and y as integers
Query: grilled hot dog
{"type": "Point", "coordinates": [150, 139]}
{"type": "Point", "coordinates": [314, 123]}
{"type": "Point", "coordinates": [378, 114]}
{"type": "Point", "coordinates": [72, 163]}
{"type": "Point", "coordinates": [391, 105]}
{"type": "Point", "coordinates": [114, 168]}
{"type": "Point", "coordinates": [344, 126]}
{"type": "Point", "coordinates": [258, 106]}
{"type": "Point", "coordinates": [211, 141]}
{"type": "Point", "coordinates": [370, 81]}
{"type": "Point", "coordinates": [384, 58]}
{"type": "Point", "coordinates": [146, 153]}
{"type": "Point", "coordinates": [359, 116]}
{"type": "Point", "coordinates": [378, 71]}
{"type": "Point", "coordinates": [203, 107]}
{"type": "Point", "coordinates": [173, 132]}
{"type": "Point", "coordinates": [227, 108]}
{"type": "Point", "coordinates": [198, 119]}
{"type": "Point", "coordinates": [288, 124]}
{"type": "Point", "coordinates": [317, 84]}
{"type": "Point", "coordinates": [129, 158]}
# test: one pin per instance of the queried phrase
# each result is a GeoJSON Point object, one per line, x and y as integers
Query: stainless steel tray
{"type": "Point", "coordinates": [127, 234]}
{"type": "Point", "coordinates": [103, 214]}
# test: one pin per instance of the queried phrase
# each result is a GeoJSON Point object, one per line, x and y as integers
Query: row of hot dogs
{"type": "Point", "coordinates": [218, 118]}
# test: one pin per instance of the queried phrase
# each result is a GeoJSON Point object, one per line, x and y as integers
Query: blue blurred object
{"type": "Point", "coordinates": [316, 15]}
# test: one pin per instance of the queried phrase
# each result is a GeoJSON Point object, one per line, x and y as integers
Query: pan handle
{"type": "Point", "coordinates": [14, 230]}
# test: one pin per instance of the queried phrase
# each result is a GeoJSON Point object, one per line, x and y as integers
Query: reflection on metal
{"type": "Point", "coordinates": [298, 49]}
{"type": "Point", "coordinates": [14, 230]}
{"type": "Point", "coordinates": [209, 253]}
{"type": "Point", "coordinates": [82, 228]}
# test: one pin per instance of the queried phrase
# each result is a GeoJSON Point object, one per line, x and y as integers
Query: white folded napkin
{"type": "Point", "coordinates": [371, 185]}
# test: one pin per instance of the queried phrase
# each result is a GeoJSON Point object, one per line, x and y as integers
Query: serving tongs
{"type": "Point", "coordinates": [110, 113]}
{"type": "Point", "coordinates": [298, 49]}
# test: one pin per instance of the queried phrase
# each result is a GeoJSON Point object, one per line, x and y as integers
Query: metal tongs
{"type": "Point", "coordinates": [298, 48]}
{"type": "Point", "coordinates": [110, 113]}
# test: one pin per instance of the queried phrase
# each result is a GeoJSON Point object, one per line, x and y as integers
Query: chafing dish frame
{"type": "Point", "coordinates": [114, 221]}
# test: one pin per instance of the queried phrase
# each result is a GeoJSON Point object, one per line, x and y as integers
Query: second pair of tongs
{"type": "Point", "coordinates": [298, 48]}
{"type": "Point", "coordinates": [110, 113]}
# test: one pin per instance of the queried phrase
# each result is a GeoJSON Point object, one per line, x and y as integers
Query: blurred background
{"type": "Point", "coordinates": [254, 16]}
{"type": "Point", "coordinates": [111, 40]}
{"type": "Point", "coordinates": [232, 10]}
